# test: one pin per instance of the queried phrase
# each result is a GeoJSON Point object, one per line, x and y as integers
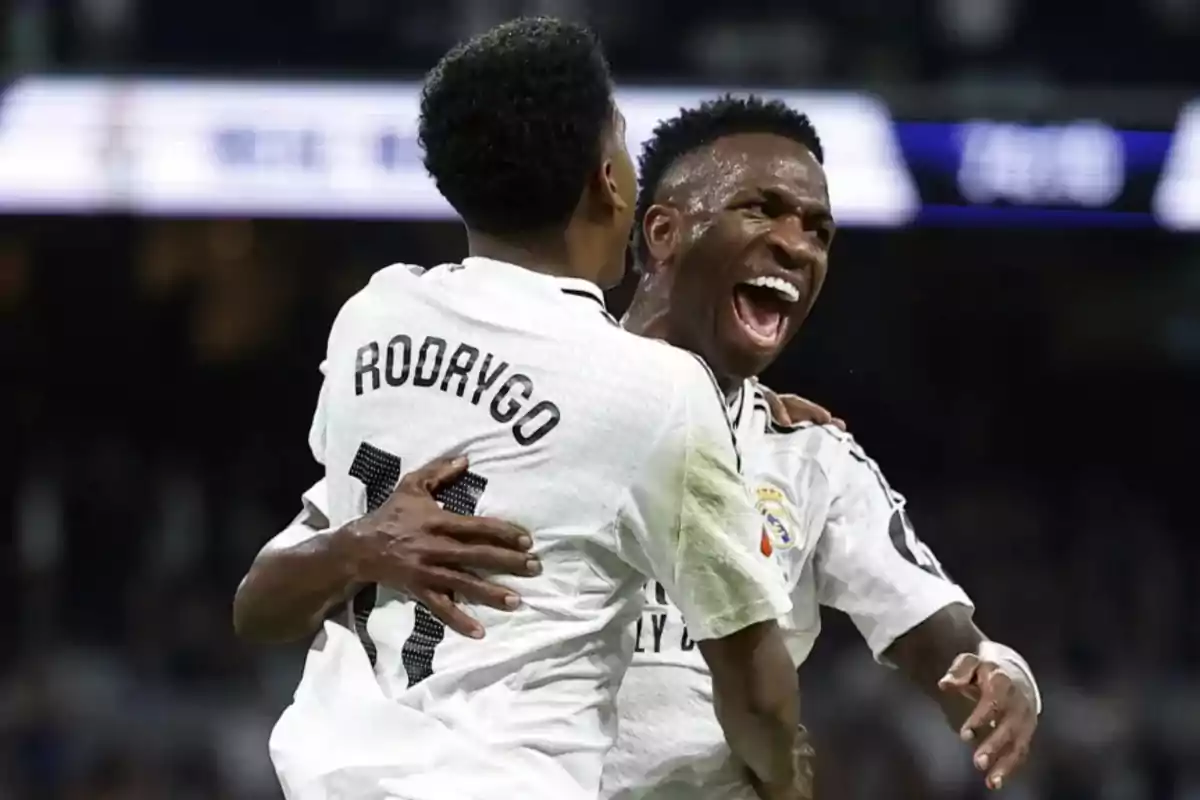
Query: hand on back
{"type": "Point", "coordinates": [790, 409]}
{"type": "Point", "coordinates": [438, 557]}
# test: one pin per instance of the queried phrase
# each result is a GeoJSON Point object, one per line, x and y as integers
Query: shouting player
{"type": "Point", "coordinates": [613, 450]}
{"type": "Point", "coordinates": [733, 237]}
{"type": "Point", "coordinates": [729, 191]}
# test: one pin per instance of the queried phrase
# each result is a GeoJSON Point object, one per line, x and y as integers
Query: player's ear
{"type": "Point", "coordinates": [603, 195]}
{"type": "Point", "coordinates": [661, 232]}
{"type": "Point", "coordinates": [610, 181]}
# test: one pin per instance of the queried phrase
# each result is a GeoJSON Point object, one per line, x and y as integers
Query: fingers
{"type": "Point", "coordinates": [483, 530]}
{"type": "Point", "coordinates": [488, 558]}
{"type": "Point", "coordinates": [961, 673]}
{"type": "Point", "coordinates": [779, 411]}
{"type": "Point", "coordinates": [443, 607]}
{"type": "Point", "coordinates": [447, 588]}
{"type": "Point", "coordinates": [994, 750]}
{"type": "Point", "coordinates": [987, 709]}
{"type": "Point", "coordinates": [473, 589]}
{"type": "Point", "coordinates": [1014, 722]}
{"type": "Point", "coordinates": [993, 743]}
{"type": "Point", "coordinates": [1011, 754]}
{"type": "Point", "coordinates": [432, 476]}
{"type": "Point", "coordinates": [838, 423]}
{"type": "Point", "coordinates": [790, 409]}
{"type": "Point", "coordinates": [801, 410]}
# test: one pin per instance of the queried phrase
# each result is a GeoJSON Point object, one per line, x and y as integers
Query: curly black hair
{"type": "Point", "coordinates": [512, 124]}
{"type": "Point", "coordinates": [694, 128]}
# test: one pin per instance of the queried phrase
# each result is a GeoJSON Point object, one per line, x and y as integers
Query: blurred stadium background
{"type": "Point", "coordinates": [188, 190]}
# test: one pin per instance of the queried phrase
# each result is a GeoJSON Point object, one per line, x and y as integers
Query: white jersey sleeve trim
{"type": "Point", "coordinates": [312, 520]}
{"type": "Point", "coordinates": [315, 501]}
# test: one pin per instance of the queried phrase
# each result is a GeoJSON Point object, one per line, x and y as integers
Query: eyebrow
{"type": "Point", "coordinates": [813, 206]}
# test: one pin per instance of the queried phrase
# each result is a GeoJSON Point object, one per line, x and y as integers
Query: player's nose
{"type": "Point", "coordinates": [791, 244]}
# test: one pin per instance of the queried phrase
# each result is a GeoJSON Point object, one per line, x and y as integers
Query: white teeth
{"type": "Point", "coordinates": [781, 287]}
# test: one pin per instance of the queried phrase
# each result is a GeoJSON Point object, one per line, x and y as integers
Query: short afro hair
{"type": "Point", "coordinates": [512, 124]}
{"type": "Point", "coordinates": [694, 128]}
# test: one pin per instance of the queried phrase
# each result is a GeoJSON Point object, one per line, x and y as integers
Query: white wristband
{"type": "Point", "coordinates": [1005, 656]}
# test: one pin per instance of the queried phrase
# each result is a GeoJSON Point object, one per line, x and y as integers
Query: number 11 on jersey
{"type": "Point", "coordinates": [379, 471]}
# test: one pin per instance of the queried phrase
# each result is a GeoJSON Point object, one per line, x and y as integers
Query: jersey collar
{"type": "Point", "coordinates": [734, 406]}
{"type": "Point", "coordinates": [584, 290]}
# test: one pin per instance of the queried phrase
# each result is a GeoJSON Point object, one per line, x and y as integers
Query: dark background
{"type": "Point", "coordinates": [1032, 388]}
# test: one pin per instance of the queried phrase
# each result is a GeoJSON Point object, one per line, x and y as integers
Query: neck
{"type": "Point", "coordinates": [649, 315]}
{"type": "Point", "coordinates": [547, 254]}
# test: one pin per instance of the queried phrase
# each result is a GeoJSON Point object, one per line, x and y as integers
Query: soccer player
{"type": "Point", "coordinates": [613, 450]}
{"type": "Point", "coordinates": [733, 235]}
{"type": "Point", "coordinates": [734, 230]}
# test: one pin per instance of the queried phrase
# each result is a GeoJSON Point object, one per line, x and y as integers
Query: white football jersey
{"type": "Point", "coordinates": [841, 538]}
{"type": "Point", "coordinates": [613, 450]}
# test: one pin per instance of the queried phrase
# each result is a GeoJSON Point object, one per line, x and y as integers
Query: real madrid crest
{"type": "Point", "coordinates": [779, 526]}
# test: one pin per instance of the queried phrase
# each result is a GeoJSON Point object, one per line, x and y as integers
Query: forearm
{"type": "Point", "coordinates": [290, 589]}
{"type": "Point", "coordinates": [925, 653]}
{"type": "Point", "coordinates": [759, 707]}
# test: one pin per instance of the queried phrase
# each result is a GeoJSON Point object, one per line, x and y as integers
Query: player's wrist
{"type": "Point", "coordinates": [349, 548]}
{"type": "Point", "coordinates": [1013, 663]}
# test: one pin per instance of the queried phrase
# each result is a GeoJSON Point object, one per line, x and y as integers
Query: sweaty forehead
{"type": "Point", "coordinates": [741, 163]}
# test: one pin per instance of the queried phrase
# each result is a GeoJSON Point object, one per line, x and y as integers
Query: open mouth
{"type": "Point", "coordinates": [763, 306]}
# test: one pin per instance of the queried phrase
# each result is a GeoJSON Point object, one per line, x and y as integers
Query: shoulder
{"type": "Point", "coordinates": [396, 277]}
{"type": "Point", "coordinates": [687, 381]}
{"type": "Point", "coordinates": [654, 366]}
{"type": "Point", "coordinates": [829, 449]}
{"type": "Point", "coordinates": [668, 389]}
{"type": "Point", "coordinates": [388, 283]}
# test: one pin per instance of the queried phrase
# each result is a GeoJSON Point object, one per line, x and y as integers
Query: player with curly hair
{"type": "Point", "coordinates": [612, 450]}
{"type": "Point", "coordinates": [733, 233]}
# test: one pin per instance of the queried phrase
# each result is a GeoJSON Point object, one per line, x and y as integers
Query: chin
{"type": "Point", "coordinates": [744, 355]}
{"type": "Point", "coordinates": [751, 364]}
{"type": "Point", "coordinates": [742, 360]}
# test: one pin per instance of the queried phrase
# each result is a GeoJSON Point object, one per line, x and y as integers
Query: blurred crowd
{"type": "Point", "coordinates": [1012, 43]}
{"type": "Point", "coordinates": [159, 381]}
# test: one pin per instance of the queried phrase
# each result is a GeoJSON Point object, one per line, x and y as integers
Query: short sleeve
{"type": "Point", "coordinates": [312, 519]}
{"type": "Point", "coordinates": [315, 504]}
{"type": "Point", "coordinates": [869, 562]}
{"type": "Point", "coordinates": [688, 520]}
{"type": "Point", "coordinates": [316, 432]}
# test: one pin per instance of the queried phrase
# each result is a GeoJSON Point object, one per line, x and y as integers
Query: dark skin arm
{"type": "Point", "coordinates": [790, 409]}
{"type": "Point", "coordinates": [984, 702]}
{"type": "Point", "coordinates": [409, 543]}
{"type": "Point", "coordinates": [756, 700]}
{"type": "Point", "coordinates": [925, 653]}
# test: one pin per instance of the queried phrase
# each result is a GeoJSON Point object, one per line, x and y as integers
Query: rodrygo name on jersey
{"type": "Point", "coordinates": [612, 450]}
{"type": "Point", "coordinates": [460, 370]}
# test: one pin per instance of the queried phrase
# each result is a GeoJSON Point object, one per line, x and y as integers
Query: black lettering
{"type": "Point", "coordinates": [660, 593]}
{"type": "Point", "coordinates": [685, 641]}
{"type": "Point", "coordinates": [430, 343]}
{"type": "Point", "coordinates": [393, 378]}
{"type": "Point", "coordinates": [485, 380]}
{"type": "Point", "coordinates": [508, 403]}
{"type": "Point", "coordinates": [363, 366]}
{"type": "Point", "coordinates": [637, 638]}
{"type": "Point", "coordinates": [551, 419]}
{"type": "Point", "coordinates": [460, 365]}
{"type": "Point", "coordinates": [513, 406]}
{"type": "Point", "coordinates": [658, 624]}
